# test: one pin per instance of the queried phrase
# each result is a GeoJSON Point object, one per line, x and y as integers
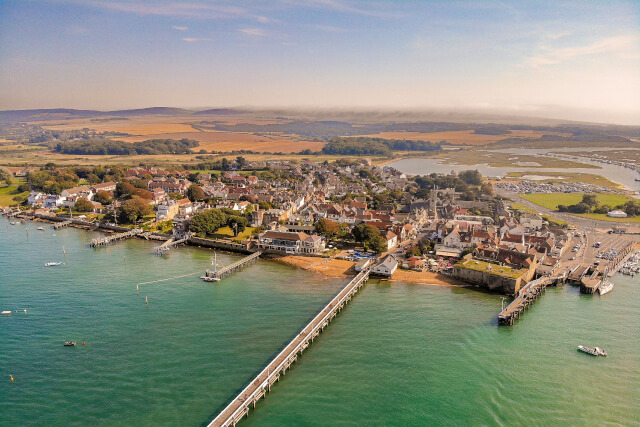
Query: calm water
{"type": "Point", "coordinates": [425, 166]}
{"type": "Point", "coordinates": [398, 355]}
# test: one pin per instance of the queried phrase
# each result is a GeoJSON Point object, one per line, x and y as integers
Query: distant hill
{"type": "Point", "coordinates": [53, 113]}
{"type": "Point", "coordinates": [219, 112]}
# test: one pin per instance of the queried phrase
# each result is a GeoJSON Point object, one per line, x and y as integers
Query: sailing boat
{"type": "Point", "coordinates": [210, 275]}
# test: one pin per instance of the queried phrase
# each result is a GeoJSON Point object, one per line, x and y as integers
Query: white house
{"type": "Point", "coordinates": [392, 239]}
{"type": "Point", "coordinates": [35, 197]}
{"type": "Point", "coordinates": [81, 191]}
{"type": "Point", "coordinates": [531, 221]}
{"type": "Point", "coordinates": [290, 243]}
{"type": "Point", "coordinates": [53, 201]}
{"type": "Point", "coordinates": [387, 267]}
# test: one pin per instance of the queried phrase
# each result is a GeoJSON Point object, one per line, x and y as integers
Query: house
{"type": "Point", "coordinates": [35, 197]}
{"type": "Point", "coordinates": [78, 192]}
{"type": "Point", "coordinates": [531, 221]}
{"type": "Point", "coordinates": [167, 210]}
{"type": "Point", "coordinates": [387, 267]}
{"type": "Point", "coordinates": [53, 201]}
{"type": "Point", "coordinates": [105, 186]}
{"type": "Point", "coordinates": [290, 243]}
{"type": "Point", "coordinates": [391, 238]}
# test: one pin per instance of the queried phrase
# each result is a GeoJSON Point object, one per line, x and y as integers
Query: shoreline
{"type": "Point", "coordinates": [328, 267]}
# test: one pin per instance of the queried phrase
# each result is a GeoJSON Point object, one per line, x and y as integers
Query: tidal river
{"type": "Point", "coordinates": [399, 354]}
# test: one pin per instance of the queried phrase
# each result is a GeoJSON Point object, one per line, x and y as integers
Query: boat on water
{"type": "Point", "coordinates": [51, 264]}
{"type": "Point", "coordinates": [41, 228]}
{"type": "Point", "coordinates": [6, 312]}
{"type": "Point", "coordinates": [596, 351]}
{"type": "Point", "coordinates": [69, 343]}
{"type": "Point", "coordinates": [13, 223]}
{"type": "Point", "coordinates": [210, 275]}
{"type": "Point", "coordinates": [605, 287]}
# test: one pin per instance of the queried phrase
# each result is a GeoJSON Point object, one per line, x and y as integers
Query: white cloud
{"type": "Point", "coordinates": [255, 32]}
{"type": "Point", "coordinates": [194, 39]}
{"type": "Point", "coordinates": [179, 28]}
{"type": "Point", "coordinates": [262, 19]}
{"type": "Point", "coordinates": [183, 9]}
{"type": "Point", "coordinates": [619, 45]}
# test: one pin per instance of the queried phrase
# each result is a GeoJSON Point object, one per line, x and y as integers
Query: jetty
{"type": "Point", "coordinates": [169, 244]}
{"type": "Point", "coordinates": [224, 271]}
{"type": "Point", "coordinates": [63, 224]}
{"type": "Point", "coordinates": [103, 241]}
{"type": "Point", "coordinates": [261, 384]}
{"type": "Point", "coordinates": [525, 298]}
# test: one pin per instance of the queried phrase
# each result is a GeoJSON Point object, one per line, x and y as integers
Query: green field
{"type": "Point", "coordinates": [7, 193]}
{"type": "Point", "coordinates": [552, 200]}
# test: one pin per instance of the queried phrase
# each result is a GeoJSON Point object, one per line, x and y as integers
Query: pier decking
{"type": "Point", "coordinates": [103, 241]}
{"type": "Point", "coordinates": [224, 271]}
{"type": "Point", "coordinates": [527, 296]}
{"type": "Point", "coordinates": [261, 384]}
{"type": "Point", "coordinates": [169, 244]}
{"type": "Point", "coordinates": [62, 224]}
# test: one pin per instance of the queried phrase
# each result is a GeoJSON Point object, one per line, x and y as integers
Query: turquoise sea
{"type": "Point", "coordinates": [400, 354]}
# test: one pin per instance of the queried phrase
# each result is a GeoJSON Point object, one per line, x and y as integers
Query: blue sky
{"type": "Point", "coordinates": [578, 59]}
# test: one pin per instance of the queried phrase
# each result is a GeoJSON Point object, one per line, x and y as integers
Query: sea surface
{"type": "Point", "coordinates": [399, 354]}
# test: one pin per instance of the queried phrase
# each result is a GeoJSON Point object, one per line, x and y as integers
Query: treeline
{"type": "Point", "coordinates": [361, 146]}
{"type": "Point", "coordinates": [206, 223]}
{"type": "Point", "coordinates": [109, 147]}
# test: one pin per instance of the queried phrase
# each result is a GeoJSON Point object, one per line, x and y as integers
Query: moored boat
{"type": "Point", "coordinates": [605, 287]}
{"type": "Point", "coordinates": [69, 343]}
{"type": "Point", "coordinates": [597, 351]}
{"type": "Point", "coordinates": [41, 228]}
{"type": "Point", "coordinates": [6, 312]}
{"type": "Point", "coordinates": [51, 264]}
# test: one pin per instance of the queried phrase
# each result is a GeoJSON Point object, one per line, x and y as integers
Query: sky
{"type": "Point", "coordinates": [573, 60]}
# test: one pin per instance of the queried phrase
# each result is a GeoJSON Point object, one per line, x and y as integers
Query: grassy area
{"type": "Point", "coordinates": [552, 200]}
{"type": "Point", "coordinates": [495, 269]}
{"type": "Point", "coordinates": [564, 177]}
{"type": "Point", "coordinates": [227, 233]}
{"type": "Point", "coordinates": [8, 192]}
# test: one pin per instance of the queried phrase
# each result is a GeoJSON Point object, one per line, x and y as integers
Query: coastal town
{"type": "Point", "coordinates": [337, 219]}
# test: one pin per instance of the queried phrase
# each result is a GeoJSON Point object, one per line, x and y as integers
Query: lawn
{"type": "Point", "coordinates": [552, 200]}
{"type": "Point", "coordinates": [227, 233]}
{"type": "Point", "coordinates": [8, 192]}
{"type": "Point", "coordinates": [495, 269]}
{"type": "Point", "coordinates": [523, 208]}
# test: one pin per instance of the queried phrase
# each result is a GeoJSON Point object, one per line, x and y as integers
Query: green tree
{"type": "Point", "coordinates": [195, 193]}
{"type": "Point", "coordinates": [377, 244]}
{"type": "Point", "coordinates": [103, 197]}
{"type": "Point", "coordinates": [225, 164]}
{"type": "Point", "coordinates": [241, 161]}
{"type": "Point", "coordinates": [133, 209]}
{"type": "Point", "coordinates": [83, 205]}
{"type": "Point", "coordinates": [207, 222]}
{"type": "Point", "coordinates": [124, 190]}
{"type": "Point", "coordinates": [237, 223]}
{"type": "Point", "coordinates": [590, 200]}
{"type": "Point", "coordinates": [327, 228]}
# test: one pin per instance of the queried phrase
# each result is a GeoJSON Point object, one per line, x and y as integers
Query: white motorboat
{"type": "Point", "coordinates": [596, 351]}
{"type": "Point", "coordinates": [605, 287]}
{"type": "Point", "coordinates": [51, 264]}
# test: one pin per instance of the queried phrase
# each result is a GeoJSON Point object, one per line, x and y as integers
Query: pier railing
{"type": "Point", "coordinates": [258, 387]}
{"type": "Point", "coordinates": [232, 267]}
{"type": "Point", "coordinates": [103, 241]}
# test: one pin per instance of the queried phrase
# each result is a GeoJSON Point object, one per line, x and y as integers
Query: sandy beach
{"type": "Point", "coordinates": [342, 268]}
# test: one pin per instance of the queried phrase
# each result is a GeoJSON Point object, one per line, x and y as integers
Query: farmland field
{"type": "Point", "coordinates": [552, 200]}
{"type": "Point", "coordinates": [463, 137]}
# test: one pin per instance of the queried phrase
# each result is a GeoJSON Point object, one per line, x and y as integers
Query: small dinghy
{"type": "Point", "coordinates": [69, 343]}
{"type": "Point", "coordinates": [51, 264]}
{"type": "Point", "coordinates": [597, 351]}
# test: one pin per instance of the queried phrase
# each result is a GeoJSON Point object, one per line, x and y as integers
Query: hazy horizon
{"type": "Point", "coordinates": [569, 61]}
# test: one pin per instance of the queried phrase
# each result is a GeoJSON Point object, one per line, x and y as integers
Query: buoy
{"type": "Point", "coordinates": [84, 343]}
{"type": "Point", "coordinates": [11, 376]}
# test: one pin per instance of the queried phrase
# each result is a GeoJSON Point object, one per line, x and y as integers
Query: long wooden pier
{"type": "Point", "coordinates": [103, 241]}
{"type": "Point", "coordinates": [527, 296]}
{"type": "Point", "coordinates": [224, 271]}
{"type": "Point", "coordinates": [261, 384]}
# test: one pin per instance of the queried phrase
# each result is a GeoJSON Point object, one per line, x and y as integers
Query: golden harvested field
{"type": "Point", "coordinates": [230, 141]}
{"type": "Point", "coordinates": [134, 126]}
{"type": "Point", "coordinates": [462, 137]}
